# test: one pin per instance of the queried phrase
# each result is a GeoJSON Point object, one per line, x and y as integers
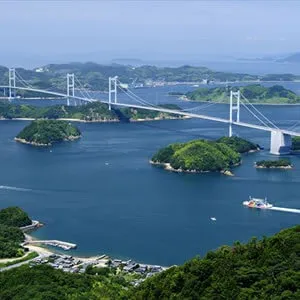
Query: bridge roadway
{"type": "Point", "coordinates": [166, 110]}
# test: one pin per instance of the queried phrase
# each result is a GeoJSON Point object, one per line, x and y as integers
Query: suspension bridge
{"type": "Point", "coordinates": [280, 142]}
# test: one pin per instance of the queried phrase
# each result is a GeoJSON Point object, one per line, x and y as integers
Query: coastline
{"type": "Point", "coordinates": [273, 167]}
{"type": "Point", "coordinates": [23, 141]}
{"type": "Point", "coordinates": [168, 167]}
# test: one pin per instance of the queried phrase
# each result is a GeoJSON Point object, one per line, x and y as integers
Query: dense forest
{"type": "Point", "coordinates": [280, 163]}
{"type": "Point", "coordinates": [47, 132]}
{"type": "Point", "coordinates": [11, 236]}
{"type": "Point", "coordinates": [266, 269]}
{"type": "Point", "coordinates": [202, 155]}
{"type": "Point", "coordinates": [255, 93]}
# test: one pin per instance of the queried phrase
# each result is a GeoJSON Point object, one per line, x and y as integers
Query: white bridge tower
{"type": "Point", "coordinates": [234, 105]}
{"type": "Point", "coordinates": [70, 87]}
{"type": "Point", "coordinates": [12, 83]}
{"type": "Point", "coordinates": [112, 90]}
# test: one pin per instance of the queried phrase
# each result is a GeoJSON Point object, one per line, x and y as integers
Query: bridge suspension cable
{"type": "Point", "coordinates": [261, 114]}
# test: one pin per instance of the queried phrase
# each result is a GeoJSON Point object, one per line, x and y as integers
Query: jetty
{"type": "Point", "coordinates": [54, 243]}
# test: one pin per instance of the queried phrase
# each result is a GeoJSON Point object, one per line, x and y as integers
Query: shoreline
{"type": "Point", "coordinates": [23, 141]}
{"type": "Point", "coordinates": [168, 167]}
{"type": "Point", "coordinates": [99, 121]}
{"type": "Point", "coordinates": [273, 167]}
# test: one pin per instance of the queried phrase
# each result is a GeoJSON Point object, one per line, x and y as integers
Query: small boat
{"type": "Point", "coordinates": [257, 203]}
{"type": "Point", "coordinates": [213, 219]}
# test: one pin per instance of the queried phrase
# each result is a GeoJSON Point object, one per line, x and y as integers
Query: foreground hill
{"type": "Point", "coordinates": [266, 269]}
{"type": "Point", "coordinates": [47, 132]}
{"type": "Point", "coordinates": [261, 269]}
{"type": "Point", "coordinates": [254, 93]}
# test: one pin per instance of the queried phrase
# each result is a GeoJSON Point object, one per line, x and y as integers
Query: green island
{"type": "Point", "coordinates": [296, 143]}
{"type": "Point", "coordinates": [273, 164]}
{"type": "Point", "coordinates": [260, 269]}
{"type": "Point", "coordinates": [255, 93]}
{"type": "Point", "coordinates": [203, 156]}
{"type": "Point", "coordinates": [47, 132]}
{"type": "Point", "coordinates": [91, 112]}
{"type": "Point", "coordinates": [11, 236]}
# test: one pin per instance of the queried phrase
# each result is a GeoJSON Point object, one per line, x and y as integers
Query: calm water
{"type": "Point", "coordinates": [101, 193]}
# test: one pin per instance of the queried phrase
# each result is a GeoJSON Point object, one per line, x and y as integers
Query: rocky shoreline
{"type": "Point", "coordinates": [23, 141]}
{"type": "Point", "coordinates": [168, 167]}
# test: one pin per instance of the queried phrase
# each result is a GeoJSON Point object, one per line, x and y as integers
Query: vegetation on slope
{"type": "Point", "coordinates": [238, 144]}
{"type": "Point", "coordinates": [91, 112]}
{"type": "Point", "coordinates": [266, 269]}
{"type": "Point", "coordinates": [296, 143]}
{"type": "Point", "coordinates": [11, 236]}
{"type": "Point", "coordinates": [47, 132]}
{"type": "Point", "coordinates": [198, 156]}
{"type": "Point", "coordinates": [280, 163]}
{"type": "Point", "coordinates": [14, 216]}
{"type": "Point", "coordinates": [255, 93]}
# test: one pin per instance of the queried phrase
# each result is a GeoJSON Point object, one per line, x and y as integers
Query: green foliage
{"type": "Point", "coordinates": [255, 93]}
{"type": "Point", "coordinates": [238, 144]}
{"type": "Point", "coordinates": [44, 282]}
{"type": "Point", "coordinates": [273, 163]}
{"type": "Point", "coordinates": [296, 143]}
{"type": "Point", "coordinates": [266, 269]}
{"type": "Point", "coordinates": [10, 239]}
{"type": "Point", "coordinates": [14, 216]}
{"type": "Point", "coordinates": [201, 155]}
{"type": "Point", "coordinates": [46, 132]}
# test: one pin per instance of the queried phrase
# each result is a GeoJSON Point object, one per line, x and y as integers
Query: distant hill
{"type": "Point", "coordinates": [255, 93]}
{"type": "Point", "coordinates": [293, 58]}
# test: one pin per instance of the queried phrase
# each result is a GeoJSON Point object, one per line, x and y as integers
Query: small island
{"type": "Point", "coordinates": [255, 93]}
{"type": "Point", "coordinates": [47, 132]}
{"type": "Point", "coordinates": [274, 164]}
{"type": "Point", "coordinates": [200, 156]}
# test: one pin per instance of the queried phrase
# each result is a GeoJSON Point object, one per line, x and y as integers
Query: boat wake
{"type": "Point", "coordinates": [285, 209]}
{"type": "Point", "coordinates": [13, 188]}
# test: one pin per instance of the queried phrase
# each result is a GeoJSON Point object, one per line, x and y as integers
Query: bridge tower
{"type": "Point", "coordinates": [281, 143]}
{"type": "Point", "coordinates": [112, 89]}
{"type": "Point", "coordinates": [12, 83]}
{"type": "Point", "coordinates": [70, 87]}
{"type": "Point", "coordinates": [234, 105]}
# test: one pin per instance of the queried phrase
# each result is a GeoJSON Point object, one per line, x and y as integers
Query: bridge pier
{"type": "Point", "coordinates": [281, 143]}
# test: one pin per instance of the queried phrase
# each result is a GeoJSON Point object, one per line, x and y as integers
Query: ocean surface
{"type": "Point", "coordinates": [101, 193]}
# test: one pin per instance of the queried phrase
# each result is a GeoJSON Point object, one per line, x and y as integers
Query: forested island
{"type": "Point", "coordinates": [47, 132]}
{"type": "Point", "coordinates": [255, 93]}
{"type": "Point", "coordinates": [203, 156]}
{"type": "Point", "coordinates": [90, 112]}
{"type": "Point", "coordinates": [296, 143]}
{"type": "Point", "coordinates": [11, 236]}
{"type": "Point", "coordinates": [273, 164]}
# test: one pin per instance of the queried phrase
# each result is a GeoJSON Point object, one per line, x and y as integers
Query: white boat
{"type": "Point", "coordinates": [257, 203]}
{"type": "Point", "coordinates": [213, 219]}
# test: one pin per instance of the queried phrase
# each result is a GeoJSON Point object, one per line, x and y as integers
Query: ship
{"type": "Point", "coordinates": [257, 203]}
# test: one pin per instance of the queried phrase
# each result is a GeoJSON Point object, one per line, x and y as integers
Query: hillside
{"type": "Point", "coordinates": [203, 156]}
{"type": "Point", "coordinates": [255, 93]}
{"type": "Point", "coordinates": [266, 269]}
{"type": "Point", "coordinates": [11, 236]}
{"type": "Point", "coordinates": [47, 132]}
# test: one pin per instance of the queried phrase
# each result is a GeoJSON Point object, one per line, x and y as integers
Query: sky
{"type": "Point", "coordinates": [39, 31]}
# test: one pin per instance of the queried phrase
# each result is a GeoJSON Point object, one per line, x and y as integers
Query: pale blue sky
{"type": "Point", "coordinates": [104, 30]}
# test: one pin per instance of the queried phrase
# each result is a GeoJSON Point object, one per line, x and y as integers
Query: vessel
{"type": "Point", "coordinates": [257, 203]}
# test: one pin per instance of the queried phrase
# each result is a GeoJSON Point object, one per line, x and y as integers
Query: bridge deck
{"type": "Point", "coordinates": [161, 109]}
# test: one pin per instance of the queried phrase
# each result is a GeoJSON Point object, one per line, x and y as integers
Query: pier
{"type": "Point", "coordinates": [54, 243]}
